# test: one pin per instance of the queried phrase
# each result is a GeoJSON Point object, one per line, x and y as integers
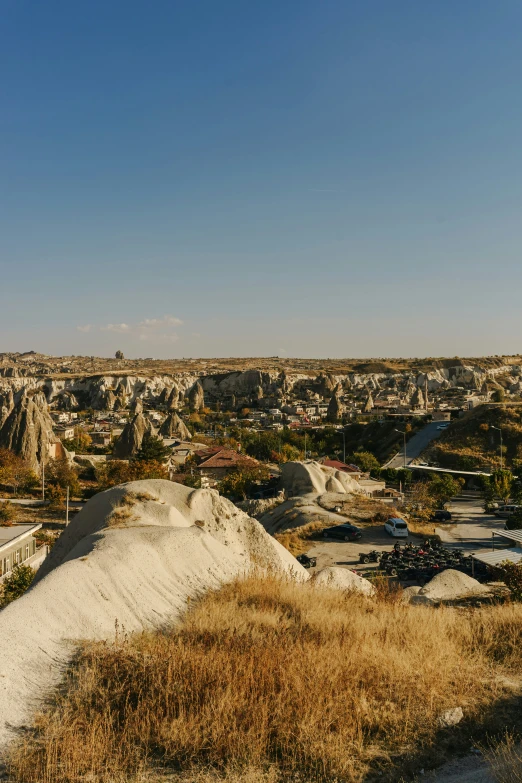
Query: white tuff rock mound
{"type": "Point", "coordinates": [310, 477]}
{"type": "Point", "coordinates": [130, 559]}
{"type": "Point", "coordinates": [343, 579]}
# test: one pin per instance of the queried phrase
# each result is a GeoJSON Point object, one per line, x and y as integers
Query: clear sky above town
{"type": "Point", "coordinates": [271, 177]}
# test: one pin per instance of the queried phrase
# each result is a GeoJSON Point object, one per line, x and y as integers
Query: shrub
{"type": "Point", "coordinates": [511, 575]}
{"type": "Point", "coordinates": [16, 583]}
{"type": "Point", "coordinates": [8, 513]}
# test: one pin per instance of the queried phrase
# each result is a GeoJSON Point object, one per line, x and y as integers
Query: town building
{"type": "Point", "coordinates": [18, 545]}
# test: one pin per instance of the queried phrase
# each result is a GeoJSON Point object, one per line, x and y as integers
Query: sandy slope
{"type": "Point", "coordinates": [132, 571]}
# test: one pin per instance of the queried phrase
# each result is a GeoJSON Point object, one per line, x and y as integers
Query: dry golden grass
{"type": "Point", "coordinates": [298, 539]}
{"type": "Point", "coordinates": [285, 680]}
{"type": "Point", "coordinates": [119, 516]}
{"type": "Point", "coordinates": [506, 761]}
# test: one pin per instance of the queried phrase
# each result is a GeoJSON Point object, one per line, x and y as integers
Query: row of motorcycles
{"type": "Point", "coordinates": [419, 563]}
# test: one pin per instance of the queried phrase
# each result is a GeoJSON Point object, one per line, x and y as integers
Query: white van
{"type": "Point", "coordinates": [396, 527]}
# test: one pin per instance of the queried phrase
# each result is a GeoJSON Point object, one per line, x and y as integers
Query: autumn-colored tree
{"type": "Point", "coordinates": [16, 472]}
{"type": "Point", "coordinates": [8, 514]}
{"type": "Point", "coordinates": [149, 469]}
{"type": "Point", "coordinates": [240, 482]}
{"type": "Point", "coordinates": [501, 482]}
{"type": "Point", "coordinates": [60, 473]}
{"type": "Point", "coordinates": [112, 473]}
{"type": "Point", "coordinates": [81, 443]}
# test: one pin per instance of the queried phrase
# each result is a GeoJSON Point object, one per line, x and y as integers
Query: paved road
{"type": "Point", "coordinates": [470, 527]}
{"type": "Point", "coordinates": [416, 445]}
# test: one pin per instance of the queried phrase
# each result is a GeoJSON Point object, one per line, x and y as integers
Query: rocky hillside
{"type": "Point", "coordinates": [72, 383]}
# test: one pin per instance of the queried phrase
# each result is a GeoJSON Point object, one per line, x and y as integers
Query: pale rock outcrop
{"type": "Point", "coordinates": [343, 579]}
{"type": "Point", "coordinates": [310, 477]}
{"type": "Point", "coordinates": [132, 559]}
{"type": "Point", "coordinates": [137, 406]}
{"type": "Point", "coordinates": [174, 427]}
{"type": "Point", "coordinates": [28, 429]}
{"type": "Point", "coordinates": [335, 406]}
{"type": "Point", "coordinates": [131, 439]}
{"type": "Point", "coordinates": [368, 405]}
{"type": "Point", "coordinates": [196, 397]}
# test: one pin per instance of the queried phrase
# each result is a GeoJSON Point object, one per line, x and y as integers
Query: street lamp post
{"type": "Point", "coordinates": [403, 432]}
{"type": "Point", "coordinates": [501, 446]}
{"type": "Point", "coordinates": [344, 446]}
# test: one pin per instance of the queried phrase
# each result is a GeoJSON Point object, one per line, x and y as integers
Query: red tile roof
{"type": "Point", "coordinates": [337, 465]}
{"type": "Point", "coordinates": [227, 458]}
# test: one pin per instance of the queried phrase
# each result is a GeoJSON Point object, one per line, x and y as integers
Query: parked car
{"type": "Point", "coordinates": [307, 562]}
{"type": "Point", "coordinates": [441, 515]}
{"type": "Point", "coordinates": [396, 527]}
{"type": "Point", "coordinates": [345, 532]}
{"type": "Point", "coordinates": [443, 426]}
{"type": "Point", "coordinates": [504, 512]}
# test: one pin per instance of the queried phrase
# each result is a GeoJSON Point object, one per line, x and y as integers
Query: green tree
{"type": "Point", "coordinates": [498, 395]}
{"type": "Point", "coordinates": [511, 575]}
{"type": "Point", "coordinates": [514, 521]}
{"type": "Point", "coordinates": [152, 450]}
{"type": "Point", "coordinates": [443, 487]}
{"type": "Point", "coordinates": [366, 461]}
{"type": "Point", "coordinates": [502, 481]}
{"type": "Point", "coordinates": [240, 482]}
{"type": "Point", "coordinates": [16, 583]}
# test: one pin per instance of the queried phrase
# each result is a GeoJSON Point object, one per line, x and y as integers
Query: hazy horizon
{"type": "Point", "coordinates": [297, 179]}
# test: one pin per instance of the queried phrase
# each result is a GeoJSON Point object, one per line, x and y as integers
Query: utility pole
{"type": "Point", "coordinates": [403, 432]}
{"type": "Point", "coordinates": [67, 508]}
{"type": "Point", "coordinates": [305, 446]}
{"type": "Point", "coordinates": [43, 481]}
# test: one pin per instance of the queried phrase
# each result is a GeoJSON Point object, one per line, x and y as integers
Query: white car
{"type": "Point", "coordinates": [443, 426]}
{"type": "Point", "coordinates": [396, 527]}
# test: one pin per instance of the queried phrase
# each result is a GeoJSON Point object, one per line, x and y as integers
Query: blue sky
{"type": "Point", "coordinates": [293, 178]}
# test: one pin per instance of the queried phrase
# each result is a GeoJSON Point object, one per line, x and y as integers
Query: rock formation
{"type": "Point", "coordinates": [174, 427]}
{"type": "Point", "coordinates": [417, 399]}
{"type": "Point", "coordinates": [368, 405]}
{"type": "Point", "coordinates": [133, 557]}
{"type": "Point", "coordinates": [137, 406]}
{"type": "Point", "coordinates": [173, 399]}
{"type": "Point", "coordinates": [335, 407]}
{"type": "Point", "coordinates": [28, 429]}
{"type": "Point", "coordinates": [130, 440]}
{"type": "Point", "coordinates": [196, 397]}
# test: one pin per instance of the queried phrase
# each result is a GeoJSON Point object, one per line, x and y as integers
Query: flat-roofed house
{"type": "Point", "coordinates": [18, 545]}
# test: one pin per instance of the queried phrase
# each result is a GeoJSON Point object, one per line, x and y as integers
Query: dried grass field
{"type": "Point", "coordinates": [269, 680]}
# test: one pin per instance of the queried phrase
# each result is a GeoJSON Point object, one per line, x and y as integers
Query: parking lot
{"type": "Point", "coordinates": [470, 529]}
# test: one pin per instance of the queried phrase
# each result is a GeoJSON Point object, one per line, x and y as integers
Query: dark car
{"type": "Point", "coordinates": [345, 532]}
{"type": "Point", "coordinates": [306, 562]}
{"type": "Point", "coordinates": [441, 516]}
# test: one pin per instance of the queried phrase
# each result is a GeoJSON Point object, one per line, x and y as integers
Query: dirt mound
{"type": "Point", "coordinates": [131, 559]}
{"type": "Point", "coordinates": [343, 579]}
{"type": "Point", "coordinates": [448, 586]}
